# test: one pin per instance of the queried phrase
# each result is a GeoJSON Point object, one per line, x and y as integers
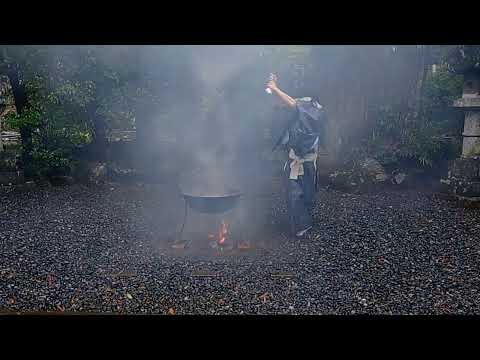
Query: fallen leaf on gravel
{"type": "Point", "coordinates": [282, 275]}
{"type": "Point", "coordinates": [264, 297]}
{"type": "Point", "coordinates": [179, 246]}
{"type": "Point", "coordinates": [126, 274]}
{"type": "Point", "coordinates": [383, 260]}
{"type": "Point", "coordinates": [206, 275]}
{"type": "Point", "coordinates": [130, 297]}
{"type": "Point", "coordinates": [11, 301]}
{"type": "Point", "coordinates": [171, 311]}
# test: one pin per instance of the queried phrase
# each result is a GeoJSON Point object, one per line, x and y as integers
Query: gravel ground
{"type": "Point", "coordinates": [104, 249]}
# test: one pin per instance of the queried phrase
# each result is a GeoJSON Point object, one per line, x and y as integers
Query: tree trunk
{"type": "Point", "coordinates": [20, 98]}
{"type": "Point", "coordinates": [99, 144]}
{"type": "Point", "coordinates": [1, 141]}
{"type": "Point", "coordinates": [425, 63]}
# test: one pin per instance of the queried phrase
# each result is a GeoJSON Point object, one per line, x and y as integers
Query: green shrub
{"type": "Point", "coordinates": [426, 137]}
{"type": "Point", "coordinates": [55, 118]}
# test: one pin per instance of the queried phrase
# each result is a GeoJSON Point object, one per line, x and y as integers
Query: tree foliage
{"type": "Point", "coordinates": [71, 93]}
{"type": "Point", "coordinates": [426, 137]}
{"type": "Point", "coordinates": [74, 95]}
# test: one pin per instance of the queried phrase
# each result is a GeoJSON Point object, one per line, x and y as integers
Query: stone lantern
{"type": "Point", "coordinates": [464, 173]}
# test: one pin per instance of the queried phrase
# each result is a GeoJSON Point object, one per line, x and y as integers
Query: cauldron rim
{"type": "Point", "coordinates": [233, 194]}
{"type": "Point", "coordinates": [212, 204]}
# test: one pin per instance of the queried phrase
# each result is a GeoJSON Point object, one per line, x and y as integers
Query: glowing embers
{"type": "Point", "coordinates": [205, 233]}
{"type": "Point", "coordinates": [222, 233]}
{"type": "Point", "coordinates": [219, 239]}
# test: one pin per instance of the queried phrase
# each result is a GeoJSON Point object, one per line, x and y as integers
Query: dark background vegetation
{"type": "Point", "coordinates": [185, 103]}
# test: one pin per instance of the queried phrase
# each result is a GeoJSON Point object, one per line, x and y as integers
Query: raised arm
{"type": "Point", "coordinates": [284, 97]}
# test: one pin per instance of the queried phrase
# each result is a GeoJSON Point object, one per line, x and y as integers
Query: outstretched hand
{"type": "Point", "coordinates": [284, 97]}
{"type": "Point", "coordinates": [272, 83]}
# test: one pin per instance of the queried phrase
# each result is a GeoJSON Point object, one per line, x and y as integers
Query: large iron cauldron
{"type": "Point", "coordinates": [212, 203]}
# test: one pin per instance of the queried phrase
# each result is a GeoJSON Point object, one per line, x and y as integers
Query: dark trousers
{"type": "Point", "coordinates": [300, 196]}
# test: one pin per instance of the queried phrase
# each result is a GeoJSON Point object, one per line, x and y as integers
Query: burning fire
{"type": "Point", "coordinates": [221, 236]}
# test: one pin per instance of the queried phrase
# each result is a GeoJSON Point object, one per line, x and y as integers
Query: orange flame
{"type": "Point", "coordinates": [222, 233]}
{"type": "Point", "coordinates": [221, 236]}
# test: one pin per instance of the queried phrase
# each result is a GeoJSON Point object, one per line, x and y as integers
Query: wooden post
{"type": "Point", "coordinates": [2, 94]}
{"type": "Point", "coordinates": [1, 137]}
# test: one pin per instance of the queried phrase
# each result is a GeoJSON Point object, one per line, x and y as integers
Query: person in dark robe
{"type": "Point", "coordinates": [301, 138]}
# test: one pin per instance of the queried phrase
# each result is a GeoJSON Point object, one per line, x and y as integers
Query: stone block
{"type": "Point", "coordinates": [467, 189]}
{"type": "Point", "coordinates": [465, 169]}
